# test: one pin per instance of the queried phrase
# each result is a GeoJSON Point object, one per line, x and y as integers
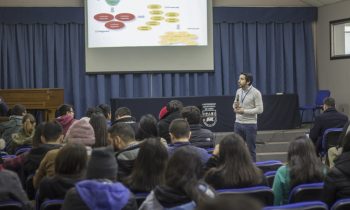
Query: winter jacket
{"type": "Point", "coordinates": [201, 137]}
{"type": "Point", "coordinates": [203, 154]}
{"type": "Point", "coordinates": [56, 187]}
{"type": "Point", "coordinates": [337, 182]}
{"type": "Point", "coordinates": [163, 124]}
{"type": "Point", "coordinates": [166, 198]}
{"type": "Point", "coordinates": [99, 195]}
{"type": "Point", "coordinates": [11, 188]}
{"type": "Point", "coordinates": [126, 159]}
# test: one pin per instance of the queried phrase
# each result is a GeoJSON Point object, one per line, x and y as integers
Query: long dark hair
{"type": "Point", "coordinates": [236, 168]}
{"type": "Point", "coordinates": [303, 163]}
{"type": "Point", "coordinates": [98, 122]}
{"type": "Point", "coordinates": [149, 167]}
{"type": "Point", "coordinates": [183, 171]}
{"type": "Point", "coordinates": [71, 160]}
{"type": "Point", "coordinates": [147, 127]}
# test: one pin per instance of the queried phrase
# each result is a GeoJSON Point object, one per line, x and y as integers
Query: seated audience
{"type": "Point", "coordinates": [303, 166]}
{"type": "Point", "coordinates": [147, 128]}
{"type": "Point", "coordinates": [25, 135]}
{"type": "Point", "coordinates": [173, 108]}
{"type": "Point", "coordinates": [180, 134]}
{"type": "Point", "coordinates": [123, 115]}
{"type": "Point", "coordinates": [90, 111]}
{"type": "Point", "coordinates": [100, 191]}
{"type": "Point", "coordinates": [3, 108]}
{"type": "Point", "coordinates": [105, 109]}
{"type": "Point", "coordinates": [149, 166]}
{"type": "Point", "coordinates": [14, 124]}
{"type": "Point", "coordinates": [181, 189]}
{"type": "Point", "coordinates": [11, 188]}
{"type": "Point", "coordinates": [337, 181]}
{"type": "Point", "coordinates": [70, 165]}
{"type": "Point", "coordinates": [200, 137]}
{"type": "Point", "coordinates": [234, 167]}
{"type": "Point", "coordinates": [65, 116]}
{"type": "Point", "coordinates": [80, 132]}
{"type": "Point", "coordinates": [122, 138]}
{"type": "Point", "coordinates": [334, 152]}
{"type": "Point", "coordinates": [98, 122]}
{"type": "Point", "coordinates": [330, 118]}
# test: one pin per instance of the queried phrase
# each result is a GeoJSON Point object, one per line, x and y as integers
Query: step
{"type": "Point", "coordinates": [272, 147]}
{"type": "Point", "coordinates": [281, 156]}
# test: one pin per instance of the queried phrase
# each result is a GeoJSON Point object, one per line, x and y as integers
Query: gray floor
{"type": "Point", "coordinates": [272, 145]}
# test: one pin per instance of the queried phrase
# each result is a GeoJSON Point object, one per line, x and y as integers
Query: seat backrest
{"type": "Point", "coordinates": [270, 176]}
{"type": "Point", "coordinates": [11, 205]}
{"type": "Point", "coordinates": [140, 197]}
{"type": "Point", "coordinates": [312, 205]}
{"type": "Point", "coordinates": [321, 95]}
{"type": "Point", "coordinates": [51, 205]}
{"type": "Point", "coordinates": [22, 149]}
{"type": "Point", "coordinates": [342, 204]}
{"type": "Point", "coordinates": [306, 192]}
{"type": "Point", "coordinates": [269, 165]}
{"type": "Point", "coordinates": [262, 193]}
{"type": "Point", "coordinates": [330, 139]}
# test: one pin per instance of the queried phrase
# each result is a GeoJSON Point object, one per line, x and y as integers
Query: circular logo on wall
{"type": "Point", "coordinates": [209, 117]}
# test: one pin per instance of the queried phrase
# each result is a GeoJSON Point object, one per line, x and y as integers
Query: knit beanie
{"type": "Point", "coordinates": [102, 164]}
{"type": "Point", "coordinates": [81, 132]}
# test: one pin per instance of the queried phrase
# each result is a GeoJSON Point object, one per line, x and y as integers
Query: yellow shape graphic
{"type": "Point", "coordinates": [172, 14]}
{"type": "Point", "coordinates": [154, 6]}
{"type": "Point", "coordinates": [172, 20]}
{"type": "Point", "coordinates": [156, 12]}
{"type": "Point", "coordinates": [157, 18]}
{"type": "Point", "coordinates": [144, 28]}
{"type": "Point", "coordinates": [153, 23]}
{"type": "Point", "coordinates": [178, 38]}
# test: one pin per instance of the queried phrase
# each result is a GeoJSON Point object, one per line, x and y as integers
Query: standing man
{"type": "Point", "coordinates": [247, 105]}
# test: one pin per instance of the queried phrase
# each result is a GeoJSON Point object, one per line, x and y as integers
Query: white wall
{"type": "Point", "coordinates": [333, 74]}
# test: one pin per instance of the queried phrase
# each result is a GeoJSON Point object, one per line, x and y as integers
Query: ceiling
{"type": "Point", "coordinates": [218, 3]}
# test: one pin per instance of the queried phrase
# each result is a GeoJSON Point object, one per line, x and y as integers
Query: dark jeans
{"type": "Point", "coordinates": [248, 133]}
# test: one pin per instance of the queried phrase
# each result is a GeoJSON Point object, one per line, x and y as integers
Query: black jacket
{"type": "Point", "coordinates": [163, 125]}
{"type": "Point", "coordinates": [201, 137]}
{"type": "Point", "coordinates": [337, 182]}
{"type": "Point", "coordinates": [55, 187]}
{"type": "Point", "coordinates": [330, 118]}
{"type": "Point", "coordinates": [126, 159]}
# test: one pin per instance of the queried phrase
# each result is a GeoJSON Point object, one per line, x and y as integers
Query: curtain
{"type": "Point", "coordinates": [280, 55]}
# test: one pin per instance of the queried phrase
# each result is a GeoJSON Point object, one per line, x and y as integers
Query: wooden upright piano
{"type": "Point", "coordinates": [45, 99]}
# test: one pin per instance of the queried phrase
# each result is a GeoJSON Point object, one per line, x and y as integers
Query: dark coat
{"type": "Point", "coordinates": [126, 159]}
{"type": "Point", "coordinates": [163, 124]}
{"type": "Point", "coordinates": [337, 182]}
{"type": "Point", "coordinates": [11, 188]}
{"type": "Point", "coordinates": [330, 118]}
{"type": "Point", "coordinates": [201, 137]}
{"type": "Point", "coordinates": [55, 187]}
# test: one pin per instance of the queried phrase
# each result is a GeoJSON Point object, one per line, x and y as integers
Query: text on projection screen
{"type": "Point", "coordinates": [131, 23]}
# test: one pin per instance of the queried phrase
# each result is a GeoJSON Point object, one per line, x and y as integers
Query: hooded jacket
{"type": "Point", "coordinates": [166, 198]}
{"type": "Point", "coordinates": [337, 182]}
{"type": "Point", "coordinates": [99, 195]}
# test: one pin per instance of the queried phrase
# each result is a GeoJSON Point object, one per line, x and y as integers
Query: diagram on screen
{"type": "Point", "coordinates": [122, 23]}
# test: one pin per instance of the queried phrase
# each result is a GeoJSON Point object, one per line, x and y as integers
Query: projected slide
{"type": "Point", "coordinates": [131, 23]}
